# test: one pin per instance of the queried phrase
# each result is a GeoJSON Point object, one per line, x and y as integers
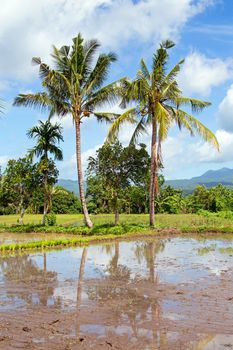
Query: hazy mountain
{"type": "Point", "coordinates": [210, 179]}
{"type": "Point", "coordinates": [70, 185]}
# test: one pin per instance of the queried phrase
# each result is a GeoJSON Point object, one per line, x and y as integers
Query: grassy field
{"type": "Point", "coordinates": [70, 229]}
{"type": "Point", "coordinates": [162, 220]}
{"type": "Point", "coordinates": [36, 219]}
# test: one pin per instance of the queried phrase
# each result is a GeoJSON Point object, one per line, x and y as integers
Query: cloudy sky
{"type": "Point", "coordinates": [202, 30]}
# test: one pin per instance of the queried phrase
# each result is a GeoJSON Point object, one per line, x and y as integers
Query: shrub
{"type": "Point", "coordinates": [50, 219]}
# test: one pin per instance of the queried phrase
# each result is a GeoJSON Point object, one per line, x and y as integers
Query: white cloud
{"type": "Point", "coordinates": [182, 152]}
{"type": "Point", "coordinates": [66, 121]}
{"type": "Point", "coordinates": [4, 160]}
{"type": "Point", "coordinates": [68, 168]}
{"type": "Point", "coordinates": [29, 28]}
{"type": "Point", "coordinates": [225, 111]}
{"type": "Point", "coordinates": [200, 74]}
{"type": "Point", "coordinates": [206, 153]}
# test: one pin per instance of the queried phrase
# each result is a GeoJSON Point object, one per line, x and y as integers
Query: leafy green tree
{"type": "Point", "coordinates": [221, 198]}
{"type": "Point", "coordinates": [20, 180]}
{"type": "Point", "coordinates": [76, 86]}
{"type": "Point", "coordinates": [117, 168]}
{"type": "Point", "coordinates": [200, 199]}
{"type": "Point", "coordinates": [98, 198]}
{"type": "Point", "coordinates": [47, 135]}
{"type": "Point", "coordinates": [65, 202]}
{"type": "Point", "coordinates": [214, 199]}
{"type": "Point", "coordinates": [136, 200]}
{"type": "Point", "coordinates": [159, 102]}
{"type": "Point", "coordinates": [170, 201]}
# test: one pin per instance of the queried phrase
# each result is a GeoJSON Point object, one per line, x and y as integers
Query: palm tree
{"type": "Point", "coordinates": [47, 135]}
{"type": "Point", "coordinates": [159, 102]}
{"type": "Point", "coordinates": [76, 86]}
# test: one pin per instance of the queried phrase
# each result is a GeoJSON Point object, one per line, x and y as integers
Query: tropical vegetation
{"type": "Point", "coordinates": [159, 102]}
{"type": "Point", "coordinates": [47, 135]}
{"type": "Point", "coordinates": [75, 86]}
{"type": "Point", "coordinates": [119, 179]}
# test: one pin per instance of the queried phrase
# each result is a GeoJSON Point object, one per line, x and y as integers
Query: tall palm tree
{"type": "Point", "coordinates": [76, 86]}
{"type": "Point", "coordinates": [159, 102]}
{"type": "Point", "coordinates": [47, 136]}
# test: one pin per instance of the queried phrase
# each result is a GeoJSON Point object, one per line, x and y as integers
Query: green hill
{"type": "Point", "coordinates": [211, 178]}
{"type": "Point", "coordinates": [70, 185]}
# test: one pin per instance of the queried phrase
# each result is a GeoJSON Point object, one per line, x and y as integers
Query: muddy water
{"type": "Point", "coordinates": [149, 294]}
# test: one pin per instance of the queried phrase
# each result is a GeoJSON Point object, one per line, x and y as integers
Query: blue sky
{"type": "Point", "coordinates": [202, 30]}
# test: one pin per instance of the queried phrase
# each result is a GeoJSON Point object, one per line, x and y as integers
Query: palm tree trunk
{"type": "Point", "coordinates": [80, 176]}
{"type": "Point", "coordinates": [116, 216]}
{"type": "Point", "coordinates": [116, 209]}
{"type": "Point", "coordinates": [45, 198]}
{"type": "Point", "coordinates": [21, 206]}
{"type": "Point", "coordinates": [153, 173]}
{"type": "Point", "coordinates": [21, 216]}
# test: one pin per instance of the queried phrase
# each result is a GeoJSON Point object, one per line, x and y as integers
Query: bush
{"type": "Point", "coordinates": [50, 219]}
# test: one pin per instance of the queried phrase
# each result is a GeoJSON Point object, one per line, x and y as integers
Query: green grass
{"type": "Point", "coordinates": [36, 219]}
{"type": "Point", "coordinates": [163, 220]}
{"type": "Point", "coordinates": [104, 229]}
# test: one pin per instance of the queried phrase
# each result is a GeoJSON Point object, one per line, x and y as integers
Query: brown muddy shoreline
{"type": "Point", "coordinates": [46, 328]}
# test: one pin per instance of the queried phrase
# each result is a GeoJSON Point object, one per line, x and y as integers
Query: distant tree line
{"type": "Point", "coordinates": [118, 179]}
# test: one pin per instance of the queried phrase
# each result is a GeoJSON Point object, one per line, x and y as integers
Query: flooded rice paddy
{"type": "Point", "coordinates": [169, 294]}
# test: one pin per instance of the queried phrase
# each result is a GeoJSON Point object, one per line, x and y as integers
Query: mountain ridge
{"type": "Point", "coordinates": [209, 179]}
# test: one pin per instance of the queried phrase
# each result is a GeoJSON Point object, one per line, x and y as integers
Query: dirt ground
{"type": "Point", "coordinates": [136, 316]}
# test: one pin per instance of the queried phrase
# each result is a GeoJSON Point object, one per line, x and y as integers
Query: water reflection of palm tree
{"type": "Point", "coordinates": [120, 287]}
{"type": "Point", "coordinates": [45, 262]}
{"type": "Point", "coordinates": [38, 283]}
{"type": "Point", "coordinates": [79, 288]}
{"type": "Point", "coordinates": [123, 295]}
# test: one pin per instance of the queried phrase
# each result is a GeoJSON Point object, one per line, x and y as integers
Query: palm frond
{"type": "Point", "coordinates": [140, 129]}
{"type": "Point", "coordinates": [167, 44]}
{"type": "Point", "coordinates": [198, 127]}
{"type": "Point", "coordinates": [172, 74]}
{"type": "Point", "coordinates": [136, 91]}
{"type": "Point", "coordinates": [196, 105]}
{"type": "Point", "coordinates": [36, 60]}
{"type": "Point", "coordinates": [107, 117]}
{"type": "Point", "coordinates": [179, 120]}
{"type": "Point", "coordinates": [39, 101]}
{"type": "Point", "coordinates": [90, 48]}
{"type": "Point", "coordinates": [100, 72]}
{"type": "Point", "coordinates": [130, 116]}
{"type": "Point", "coordinates": [109, 94]}
{"type": "Point", "coordinates": [164, 121]}
{"type": "Point", "coordinates": [145, 70]}
{"type": "Point", "coordinates": [56, 152]}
